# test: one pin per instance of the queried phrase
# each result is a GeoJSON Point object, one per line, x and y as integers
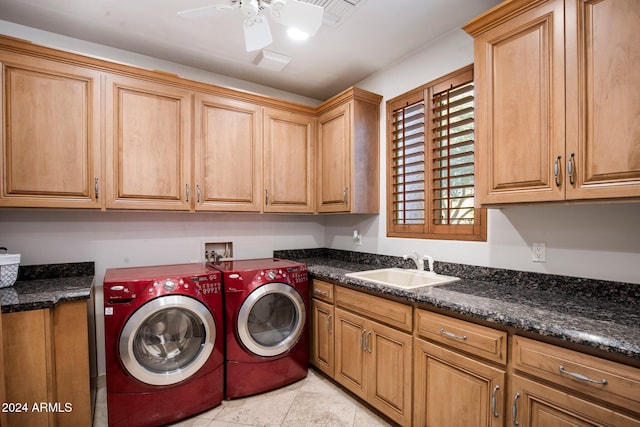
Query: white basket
{"type": "Point", "coordinates": [9, 264]}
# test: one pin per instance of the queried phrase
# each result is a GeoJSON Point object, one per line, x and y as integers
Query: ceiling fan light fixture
{"type": "Point", "coordinates": [297, 34]}
{"type": "Point", "coordinates": [257, 33]}
{"type": "Point", "coordinates": [250, 8]}
{"type": "Point", "coordinates": [305, 17]}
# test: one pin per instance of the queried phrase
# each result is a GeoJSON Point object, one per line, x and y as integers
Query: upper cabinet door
{"type": "Point", "coordinates": [334, 159]}
{"type": "Point", "coordinates": [288, 161]}
{"type": "Point", "coordinates": [51, 134]}
{"type": "Point", "coordinates": [603, 106]}
{"type": "Point", "coordinates": [520, 106]}
{"type": "Point", "coordinates": [148, 156]}
{"type": "Point", "coordinates": [228, 157]}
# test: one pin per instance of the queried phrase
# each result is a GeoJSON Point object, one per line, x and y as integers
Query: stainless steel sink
{"type": "Point", "coordinates": [403, 278]}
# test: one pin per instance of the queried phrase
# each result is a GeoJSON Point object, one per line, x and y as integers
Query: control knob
{"type": "Point", "coordinates": [169, 285]}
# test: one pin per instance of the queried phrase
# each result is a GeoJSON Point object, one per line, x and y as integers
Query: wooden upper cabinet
{"type": "Point", "coordinates": [348, 153]}
{"type": "Point", "coordinates": [51, 134]}
{"type": "Point", "coordinates": [603, 106]}
{"type": "Point", "coordinates": [519, 76]}
{"type": "Point", "coordinates": [148, 140]}
{"type": "Point", "coordinates": [334, 159]}
{"type": "Point", "coordinates": [228, 154]}
{"type": "Point", "coordinates": [288, 161]}
{"type": "Point", "coordinates": [556, 106]}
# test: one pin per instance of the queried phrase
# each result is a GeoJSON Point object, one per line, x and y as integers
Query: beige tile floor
{"type": "Point", "coordinates": [314, 401]}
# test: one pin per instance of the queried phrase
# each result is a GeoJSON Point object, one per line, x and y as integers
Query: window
{"type": "Point", "coordinates": [431, 162]}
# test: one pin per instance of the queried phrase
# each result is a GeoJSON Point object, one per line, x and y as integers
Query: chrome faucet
{"type": "Point", "coordinates": [419, 260]}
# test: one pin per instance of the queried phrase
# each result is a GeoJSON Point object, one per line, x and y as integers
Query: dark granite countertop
{"type": "Point", "coordinates": [44, 286]}
{"type": "Point", "coordinates": [597, 314]}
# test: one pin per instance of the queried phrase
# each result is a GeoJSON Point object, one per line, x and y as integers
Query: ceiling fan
{"type": "Point", "coordinates": [302, 19]}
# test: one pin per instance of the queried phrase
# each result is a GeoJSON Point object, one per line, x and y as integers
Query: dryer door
{"type": "Point", "coordinates": [271, 319]}
{"type": "Point", "coordinates": [167, 340]}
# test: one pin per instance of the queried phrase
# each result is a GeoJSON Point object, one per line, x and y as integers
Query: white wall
{"type": "Point", "coordinates": [600, 241]}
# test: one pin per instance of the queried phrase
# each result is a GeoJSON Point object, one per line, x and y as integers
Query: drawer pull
{"type": "Point", "coordinates": [582, 377]}
{"type": "Point", "coordinates": [494, 402]}
{"type": "Point", "coordinates": [321, 292]}
{"type": "Point", "coordinates": [556, 171]}
{"type": "Point", "coordinates": [514, 410]}
{"type": "Point", "coordinates": [453, 336]}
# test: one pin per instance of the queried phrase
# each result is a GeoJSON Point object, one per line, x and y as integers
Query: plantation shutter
{"type": "Point", "coordinates": [408, 163]}
{"type": "Point", "coordinates": [431, 162]}
{"type": "Point", "coordinates": [452, 148]}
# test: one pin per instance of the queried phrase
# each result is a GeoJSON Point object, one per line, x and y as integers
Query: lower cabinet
{"type": "Point", "coordinates": [456, 373]}
{"type": "Point", "coordinates": [454, 390]}
{"type": "Point", "coordinates": [538, 405]}
{"type": "Point", "coordinates": [322, 344]}
{"type": "Point", "coordinates": [374, 362]}
{"type": "Point", "coordinates": [46, 366]}
{"type": "Point", "coordinates": [460, 372]}
{"type": "Point", "coordinates": [569, 388]}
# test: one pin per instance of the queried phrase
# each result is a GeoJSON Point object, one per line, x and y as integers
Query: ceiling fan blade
{"type": "Point", "coordinates": [257, 33]}
{"type": "Point", "coordinates": [207, 11]}
{"type": "Point", "coordinates": [305, 17]}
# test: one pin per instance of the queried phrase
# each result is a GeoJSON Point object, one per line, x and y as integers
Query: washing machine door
{"type": "Point", "coordinates": [271, 319]}
{"type": "Point", "coordinates": [167, 340]}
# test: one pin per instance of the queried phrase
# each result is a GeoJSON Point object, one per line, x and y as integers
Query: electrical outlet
{"type": "Point", "coordinates": [539, 252]}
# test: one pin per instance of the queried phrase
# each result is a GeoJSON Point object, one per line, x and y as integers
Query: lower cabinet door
{"type": "Point", "coordinates": [389, 371]}
{"type": "Point", "coordinates": [373, 361]}
{"type": "Point", "coordinates": [537, 405]}
{"type": "Point", "coordinates": [350, 354]}
{"type": "Point", "coordinates": [454, 390]}
{"type": "Point", "coordinates": [322, 344]}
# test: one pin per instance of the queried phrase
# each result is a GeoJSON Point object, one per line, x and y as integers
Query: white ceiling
{"type": "Point", "coordinates": [376, 34]}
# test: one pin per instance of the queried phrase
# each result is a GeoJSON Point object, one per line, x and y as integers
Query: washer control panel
{"type": "Point", "coordinates": [209, 284]}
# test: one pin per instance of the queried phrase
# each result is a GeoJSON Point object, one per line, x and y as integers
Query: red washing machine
{"type": "Point", "coordinates": [164, 343]}
{"type": "Point", "coordinates": [266, 314]}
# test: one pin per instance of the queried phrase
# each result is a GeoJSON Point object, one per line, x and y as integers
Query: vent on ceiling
{"type": "Point", "coordinates": [336, 11]}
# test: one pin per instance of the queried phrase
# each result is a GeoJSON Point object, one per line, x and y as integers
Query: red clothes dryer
{"type": "Point", "coordinates": [164, 342]}
{"type": "Point", "coordinates": [267, 317]}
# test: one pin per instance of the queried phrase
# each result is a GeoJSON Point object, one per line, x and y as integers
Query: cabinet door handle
{"type": "Point", "coordinates": [266, 196]}
{"type": "Point", "coordinates": [452, 336]}
{"type": "Point", "coordinates": [367, 342]}
{"type": "Point", "coordinates": [344, 194]}
{"type": "Point", "coordinates": [581, 377]}
{"type": "Point", "coordinates": [362, 340]}
{"type": "Point", "coordinates": [494, 402]}
{"type": "Point", "coordinates": [556, 170]}
{"type": "Point", "coordinates": [198, 193]}
{"type": "Point", "coordinates": [570, 170]}
{"type": "Point", "coordinates": [329, 323]}
{"type": "Point", "coordinates": [95, 187]}
{"type": "Point", "coordinates": [187, 191]}
{"type": "Point", "coordinates": [514, 410]}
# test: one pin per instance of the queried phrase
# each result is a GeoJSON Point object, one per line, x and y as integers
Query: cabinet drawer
{"type": "Point", "coordinates": [603, 379]}
{"type": "Point", "coordinates": [479, 340]}
{"type": "Point", "coordinates": [382, 310]}
{"type": "Point", "coordinates": [322, 291]}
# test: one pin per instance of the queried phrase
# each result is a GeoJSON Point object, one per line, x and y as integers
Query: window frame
{"type": "Point", "coordinates": [429, 229]}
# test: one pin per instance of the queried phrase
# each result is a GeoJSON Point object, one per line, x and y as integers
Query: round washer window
{"type": "Point", "coordinates": [271, 319]}
{"type": "Point", "coordinates": [167, 340]}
